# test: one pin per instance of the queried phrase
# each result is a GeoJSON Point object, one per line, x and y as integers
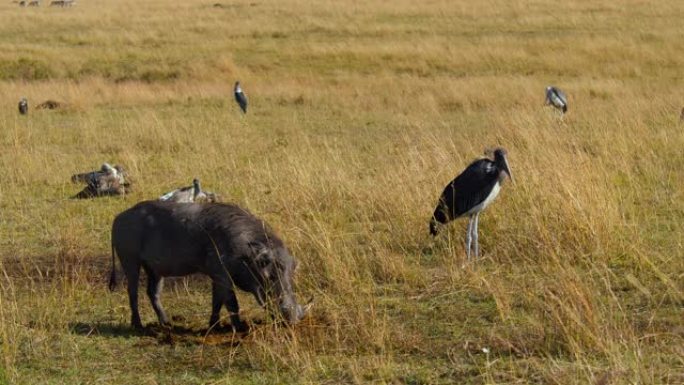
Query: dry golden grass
{"type": "Point", "coordinates": [360, 113]}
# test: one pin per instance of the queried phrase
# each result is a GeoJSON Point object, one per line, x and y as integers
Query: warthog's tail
{"type": "Point", "coordinates": [112, 276]}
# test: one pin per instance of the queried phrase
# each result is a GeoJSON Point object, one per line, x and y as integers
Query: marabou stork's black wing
{"type": "Point", "coordinates": [467, 190]}
{"type": "Point", "coordinates": [241, 99]}
{"type": "Point", "coordinates": [561, 96]}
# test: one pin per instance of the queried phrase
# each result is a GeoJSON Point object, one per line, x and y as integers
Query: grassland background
{"type": "Point", "coordinates": [360, 113]}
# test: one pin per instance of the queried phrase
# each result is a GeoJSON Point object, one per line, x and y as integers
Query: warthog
{"type": "Point", "coordinates": [223, 241]}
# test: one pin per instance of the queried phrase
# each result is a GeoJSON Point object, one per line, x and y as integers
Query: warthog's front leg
{"type": "Point", "coordinates": [234, 311]}
{"type": "Point", "coordinates": [216, 304]}
{"type": "Point", "coordinates": [223, 294]}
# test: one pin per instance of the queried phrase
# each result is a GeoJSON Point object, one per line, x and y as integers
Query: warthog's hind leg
{"type": "Point", "coordinates": [154, 287]}
{"type": "Point", "coordinates": [132, 275]}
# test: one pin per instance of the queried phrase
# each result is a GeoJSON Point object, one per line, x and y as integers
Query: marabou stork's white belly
{"type": "Point", "coordinates": [490, 198]}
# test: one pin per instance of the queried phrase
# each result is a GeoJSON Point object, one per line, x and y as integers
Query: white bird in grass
{"type": "Point", "coordinates": [557, 98]}
{"type": "Point", "coordinates": [189, 194]}
{"type": "Point", "coordinates": [107, 180]}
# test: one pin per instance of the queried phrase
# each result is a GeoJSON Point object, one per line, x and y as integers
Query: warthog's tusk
{"type": "Point", "coordinates": [308, 305]}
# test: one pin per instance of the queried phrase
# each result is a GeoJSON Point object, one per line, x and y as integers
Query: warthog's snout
{"type": "Point", "coordinates": [294, 312]}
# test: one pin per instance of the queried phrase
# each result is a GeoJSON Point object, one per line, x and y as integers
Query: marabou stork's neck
{"type": "Point", "coordinates": [195, 187]}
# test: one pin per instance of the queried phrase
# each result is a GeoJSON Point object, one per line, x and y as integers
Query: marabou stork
{"type": "Point", "coordinates": [470, 193]}
{"type": "Point", "coordinates": [23, 106]}
{"type": "Point", "coordinates": [556, 98]}
{"type": "Point", "coordinates": [240, 97]}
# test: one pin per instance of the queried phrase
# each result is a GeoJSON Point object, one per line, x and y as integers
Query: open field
{"type": "Point", "coordinates": [360, 112]}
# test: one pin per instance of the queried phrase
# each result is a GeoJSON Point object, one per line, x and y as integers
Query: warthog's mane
{"type": "Point", "coordinates": [239, 222]}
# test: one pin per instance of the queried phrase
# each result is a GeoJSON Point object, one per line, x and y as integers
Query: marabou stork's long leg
{"type": "Point", "coordinates": [475, 236]}
{"type": "Point", "coordinates": [469, 239]}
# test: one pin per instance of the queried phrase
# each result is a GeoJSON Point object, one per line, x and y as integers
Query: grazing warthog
{"type": "Point", "coordinates": [223, 241]}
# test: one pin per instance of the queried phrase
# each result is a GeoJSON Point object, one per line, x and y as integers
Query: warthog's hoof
{"type": "Point", "coordinates": [240, 327]}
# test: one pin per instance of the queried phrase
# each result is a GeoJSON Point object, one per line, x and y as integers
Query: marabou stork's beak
{"type": "Point", "coordinates": [507, 169]}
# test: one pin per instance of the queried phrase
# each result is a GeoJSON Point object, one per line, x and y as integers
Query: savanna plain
{"type": "Point", "coordinates": [360, 113]}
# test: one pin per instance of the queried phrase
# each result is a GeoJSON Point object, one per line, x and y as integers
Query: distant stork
{"type": "Point", "coordinates": [556, 98]}
{"type": "Point", "coordinates": [23, 106]}
{"type": "Point", "coordinates": [189, 194]}
{"type": "Point", "coordinates": [471, 192]}
{"type": "Point", "coordinates": [240, 97]}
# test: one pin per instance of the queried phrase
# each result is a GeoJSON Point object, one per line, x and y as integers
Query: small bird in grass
{"type": "Point", "coordinates": [23, 106]}
{"type": "Point", "coordinates": [240, 97]}
{"type": "Point", "coordinates": [556, 98]}
{"type": "Point", "coordinates": [470, 193]}
{"type": "Point", "coordinates": [681, 115]}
